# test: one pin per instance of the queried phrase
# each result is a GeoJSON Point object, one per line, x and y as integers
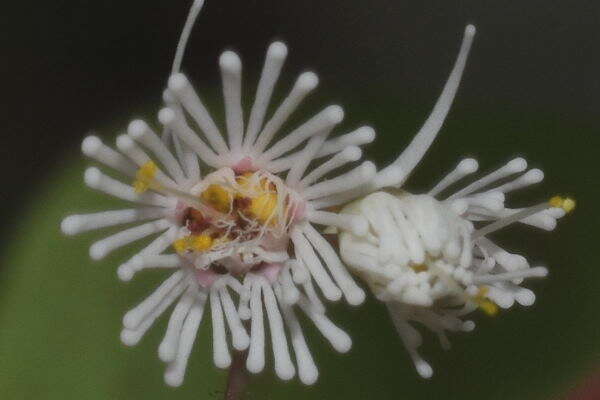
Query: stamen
{"type": "Point", "coordinates": [231, 75]}
{"type": "Point", "coordinates": [131, 337]}
{"type": "Point", "coordinates": [349, 154]}
{"type": "Point", "coordinates": [129, 148]}
{"type": "Point", "coordinates": [93, 147]}
{"type": "Point", "coordinates": [338, 339]}
{"type": "Point", "coordinates": [465, 167]}
{"type": "Point", "coordinates": [307, 370]}
{"type": "Point", "coordinates": [284, 368]}
{"type": "Point", "coordinates": [199, 243]}
{"type": "Point", "coordinates": [75, 224]}
{"type": "Point", "coordinates": [176, 370]}
{"type": "Point", "coordinates": [537, 272]}
{"type": "Point", "coordinates": [531, 177]}
{"type": "Point", "coordinates": [185, 34]}
{"type": "Point", "coordinates": [353, 294]}
{"type": "Point", "coordinates": [185, 93]}
{"type": "Point", "coordinates": [362, 135]}
{"type": "Point", "coordinates": [240, 339]}
{"type": "Point", "coordinates": [486, 305]}
{"type": "Point", "coordinates": [274, 60]}
{"type": "Point", "coordinates": [167, 351]}
{"type": "Point", "coordinates": [306, 156]}
{"type": "Point", "coordinates": [102, 248]}
{"type": "Point", "coordinates": [411, 339]}
{"type": "Point", "coordinates": [566, 204]}
{"type": "Point", "coordinates": [305, 84]}
{"type": "Point", "coordinates": [355, 178]}
{"type": "Point", "coordinates": [172, 120]}
{"type": "Point", "coordinates": [415, 151]}
{"type": "Point", "coordinates": [135, 316]}
{"type": "Point", "coordinates": [141, 132]}
{"type": "Point", "coordinates": [359, 137]}
{"type": "Point", "coordinates": [157, 246]}
{"type": "Point", "coordinates": [305, 253]}
{"type": "Point", "coordinates": [514, 166]}
{"type": "Point", "coordinates": [221, 356]}
{"type": "Point", "coordinates": [255, 362]}
{"type": "Point", "coordinates": [325, 120]}
{"type": "Point", "coordinates": [145, 178]}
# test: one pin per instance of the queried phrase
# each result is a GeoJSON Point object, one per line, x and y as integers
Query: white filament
{"type": "Point", "coordinates": [75, 224]}
{"type": "Point", "coordinates": [305, 253]}
{"type": "Point", "coordinates": [185, 93]}
{"type": "Point", "coordinates": [102, 248]}
{"type": "Point", "coordinates": [274, 60]}
{"type": "Point", "coordinates": [465, 167]}
{"type": "Point", "coordinates": [231, 73]}
{"type": "Point", "coordinates": [305, 83]}
{"type": "Point", "coordinates": [185, 34]}
{"type": "Point", "coordinates": [176, 370]}
{"type": "Point", "coordinates": [93, 147]}
{"type": "Point", "coordinates": [325, 120]}
{"type": "Point", "coordinates": [415, 151]}
{"type": "Point", "coordinates": [141, 132]}
{"type": "Point", "coordinates": [512, 167]}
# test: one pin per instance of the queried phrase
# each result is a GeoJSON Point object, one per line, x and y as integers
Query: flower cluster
{"type": "Point", "coordinates": [221, 204]}
{"type": "Point", "coordinates": [428, 256]}
{"type": "Point", "coordinates": [239, 219]}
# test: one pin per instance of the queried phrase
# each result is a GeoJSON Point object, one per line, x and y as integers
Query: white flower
{"type": "Point", "coordinates": [222, 203]}
{"type": "Point", "coordinates": [427, 255]}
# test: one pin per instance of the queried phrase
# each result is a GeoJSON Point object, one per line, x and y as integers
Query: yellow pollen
{"type": "Point", "coordinates": [145, 177]}
{"type": "Point", "coordinates": [181, 245]}
{"type": "Point", "coordinates": [567, 204]}
{"type": "Point", "coordinates": [193, 242]}
{"type": "Point", "coordinates": [218, 197]}
{"type": "Point", "coordinates": [485, 304]}
{"type": "Point", "coordinates": [202, 242]}
{"type": "Point", "coordinates": [263, 206]}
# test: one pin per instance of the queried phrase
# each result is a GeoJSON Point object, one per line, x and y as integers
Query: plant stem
{"type": "Point", "coordinates": [238, 378]}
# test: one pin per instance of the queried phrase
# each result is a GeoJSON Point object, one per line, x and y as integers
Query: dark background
{"type": "Point", "coordinates": [532, 87]}
{"type": "Point", "coordinates": [73, 66]}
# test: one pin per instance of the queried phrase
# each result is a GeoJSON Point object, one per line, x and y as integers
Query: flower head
{"type": "Point", "coordinates": [428, 256]}
{"type": "Point", "coordinates": [236, 218]}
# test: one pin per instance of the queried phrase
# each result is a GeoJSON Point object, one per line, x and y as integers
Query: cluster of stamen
{"type": "Point", "coordinates": [240, 216]}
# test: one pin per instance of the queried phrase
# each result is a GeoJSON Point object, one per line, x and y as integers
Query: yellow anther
{"type": "Point", "coordinates": [262, 207]}
{"type": "Point", "coordinates": [201, 242]}
{"type": "Point", "coordinates": [181, 245]}
{"type": "Point", "coordinates": [145, 177]}
{"type": "Point", "coordinates": [485, 304]}
{"type": "Point", "coordinates": [419, 267]}
{"type": "Point", "coordinates": [488, 307]}
{"type": "Point", "coordinates": [218, 197]}
{"type": "Point", "coordinates": [566, 204]}
{"type": "Point", "coordinates": [193, 242]}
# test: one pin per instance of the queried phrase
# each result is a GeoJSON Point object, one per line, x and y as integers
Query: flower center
{"type": "Point", "coordinates": [231, 222]}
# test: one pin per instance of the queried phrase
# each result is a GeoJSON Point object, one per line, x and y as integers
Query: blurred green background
{"type": "Point", "coordinates": [529, 90]}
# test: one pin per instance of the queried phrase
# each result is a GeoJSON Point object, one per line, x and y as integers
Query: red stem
{"type": "Point", "coordinates": [238, 378]}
